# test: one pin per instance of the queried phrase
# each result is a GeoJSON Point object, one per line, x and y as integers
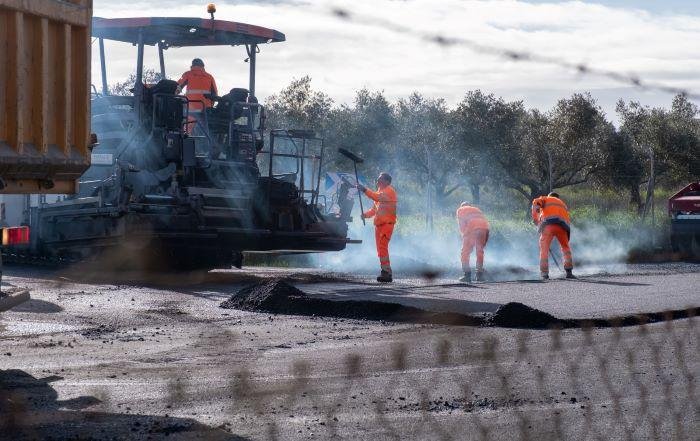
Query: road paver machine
{"type": "Point", "coordinates": [160, 193]}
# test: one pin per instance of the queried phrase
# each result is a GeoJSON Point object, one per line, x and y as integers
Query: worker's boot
{"type": "Point", "coordinates": [467, 277]}
{"type": "Point", "coordinates": [570, 274]}
{"type": "Point", "coordinates": [385, 277]}
{"type": "Point", "coordinates": [480, 275]}
{"type": "Point", "coordinates": [544, 276]}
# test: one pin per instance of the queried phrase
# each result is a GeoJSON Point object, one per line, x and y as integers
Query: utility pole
{"type": "Point", "coordinates": [549, 167]}
{"type": "Point", "coordinates": [649, 203]}
{"type": "Point", "coordinates": [429, 190]}
{"type": "Point", "coordinates": [652, 180]}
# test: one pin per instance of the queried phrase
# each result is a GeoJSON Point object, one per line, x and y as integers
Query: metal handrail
{"type": "Point", "coordinates": [315, 192]}
{"type": "Point", "coordinates": [250, 125]}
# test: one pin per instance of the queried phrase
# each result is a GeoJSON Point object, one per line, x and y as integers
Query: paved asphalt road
{"type": "Point", "coordinates": [103, 356]}
{"type": "Point", "coordinates": [587, 297]}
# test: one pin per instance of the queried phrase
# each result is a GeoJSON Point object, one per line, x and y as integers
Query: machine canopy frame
{"type": "Point", "coordinates": [166, 32]}
{"type": "Point", "coordinates": [182, 32]}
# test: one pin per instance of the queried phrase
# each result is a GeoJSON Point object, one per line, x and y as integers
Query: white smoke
{"type": "Point", "coordinates": [512, 252]}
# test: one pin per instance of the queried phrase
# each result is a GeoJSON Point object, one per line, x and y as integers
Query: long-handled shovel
{"type": "Point", "coordinates": [554, 259]}
{"type": "Point", "coordinates": [355, 160]}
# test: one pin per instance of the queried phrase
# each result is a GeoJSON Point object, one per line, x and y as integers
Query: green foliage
{"type": "Point", "coordinates": [125, 88]}
{"type": "Point", "coordinates": [498, 153]}
{"type": "Point", "coordinates": [485, 130]}
{"type": "Point", "coordinates": [366, 128]}
{"type": "Point", "coordinates": [298, 106]}
{"type": "Point", "coordinates": [672, 136]}
{"type": "Point", "coordinates": [423, 140]}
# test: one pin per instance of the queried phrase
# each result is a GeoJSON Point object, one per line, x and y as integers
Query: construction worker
{"type": "Point", "coordinates": [384, 213]}
{"type": "Point", "coordinates": [474, 229]}
{"type": "Point", "coordinates": [551, 216]}
{"type": "Point", "coordinates": [198, 83]}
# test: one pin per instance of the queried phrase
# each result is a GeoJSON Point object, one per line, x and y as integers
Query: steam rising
{"type": "Point", "coordinates": [511, 253]}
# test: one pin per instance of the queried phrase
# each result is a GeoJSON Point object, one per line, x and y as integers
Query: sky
{"type": "Point", "coordinates": [655, 40]}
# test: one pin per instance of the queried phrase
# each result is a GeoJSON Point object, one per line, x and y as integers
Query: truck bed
{"type": "Point", "coordinates": [44, 94]}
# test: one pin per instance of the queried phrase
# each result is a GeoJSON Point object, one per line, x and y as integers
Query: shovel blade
{"type": "Point", "coordinates": [350, 155]}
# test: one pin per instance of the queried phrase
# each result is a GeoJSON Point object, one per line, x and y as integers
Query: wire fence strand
{"type": "Point", "coordinates": [635, 382]}
{"type": "Point", "coordinates": [510, 54]}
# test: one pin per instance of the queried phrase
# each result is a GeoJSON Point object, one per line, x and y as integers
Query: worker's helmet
{"type": "Point", "coordinates": [464, 204]}
{"type": "Point", "coordinates": [197, 62]}
{"type": "Point", "coordinates": [554, 195]}
{"type": "Point", "coordinates": [385, 176]}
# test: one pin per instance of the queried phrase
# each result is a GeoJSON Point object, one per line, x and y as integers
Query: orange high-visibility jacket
{"type": "Point", "coordinates": [198, 82]}
{"type": "Point", "coordinates": [471, 218]}
{"type": "Point", "coordinates": [384, 209]}
{"type": "Point", "coordinates": [547, 210]}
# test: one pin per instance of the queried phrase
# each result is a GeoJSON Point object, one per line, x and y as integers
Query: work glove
{"type": "Point", "coordinates": [362, 216]}
{"type": "Point", "coordinates": [361, 187]}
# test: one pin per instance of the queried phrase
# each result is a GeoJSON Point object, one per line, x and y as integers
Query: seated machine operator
{"type": "Point", "coordinates": [198, 83]}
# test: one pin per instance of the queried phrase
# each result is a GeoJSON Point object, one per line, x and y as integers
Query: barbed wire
{"type": "Point", "coordinates": [626, 378]}
{"type": "Point", "coordinates": [626, 383]}
{"type": "Point", "coordinates": [511, 54]}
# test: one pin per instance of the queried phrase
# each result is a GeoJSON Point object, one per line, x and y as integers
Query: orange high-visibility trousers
{"type": "Point", "coordinates": [549, 232]}
{"type": "Point", "coordinates": [382, 236]}
{"type": "Point", "coordinates": [192, 123]}
{"type": "Point", "coordinates": [474, 239]}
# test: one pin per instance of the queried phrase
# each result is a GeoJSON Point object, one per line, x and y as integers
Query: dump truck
{"type": "Point", "coordinates": [45, 135]}
{"type": "Point", "coordinates": [168, 189]}
{"type": "Point", "coordinates": [684, 214]}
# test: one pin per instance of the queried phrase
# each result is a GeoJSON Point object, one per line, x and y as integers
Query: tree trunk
{"type": "Point", "coordinates": [636, 198]}
{"type": "Point", "coordinates": [441, 193]}
{"type": "Point", "coordinates": [648, 203]}
{"type": "Point", "coordinates": [476, 193]}
{"type": "Point", "coordinates": [429, 193]}
{"type": "Point", "coordinates": [534, 194]}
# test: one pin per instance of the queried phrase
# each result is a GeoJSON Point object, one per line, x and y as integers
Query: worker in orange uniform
{"type": "Point", "coordinates": [384, 213]}
{"type": "Point", "coordinates": [474, 229]}
{"type": "Point", "coordinates": [551, 216]}
{"type": "Point", "coordinates": [198, 83]}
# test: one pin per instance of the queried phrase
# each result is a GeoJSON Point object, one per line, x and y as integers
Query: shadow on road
{"type": "Point", "coordinates": [611, 283]}
{"type": "Point", "coordinates": [29, 409]}
{"type": "Point", "coordinates": [91, 273]}
{"type": "Point", "coordinates": [426, 302]}
{"type": "Point", "coordinates": [38, 306]}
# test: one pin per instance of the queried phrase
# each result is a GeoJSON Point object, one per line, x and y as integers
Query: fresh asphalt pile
{"type": "Point", "coordinates": [277, 296]}
{"type": "Point", "coordinates": [517, 315]}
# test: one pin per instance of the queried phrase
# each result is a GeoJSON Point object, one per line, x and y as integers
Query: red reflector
{"type": "Point", "coordinates": [15, 235]}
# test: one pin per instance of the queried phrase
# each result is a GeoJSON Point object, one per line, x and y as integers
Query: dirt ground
{"type": "Point", "coordinates": [157, 358]}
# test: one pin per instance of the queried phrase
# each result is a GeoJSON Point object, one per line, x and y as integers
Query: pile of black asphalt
{"type": "Point", "coordinates": [277, 296]}
{"type": "Point", "coordinates": [280, 297]}
{"type": "Point", "coordinates": [518, 315]}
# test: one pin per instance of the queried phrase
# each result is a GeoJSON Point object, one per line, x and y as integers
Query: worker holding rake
{"type": "Point", "coordinates": [384, 214]}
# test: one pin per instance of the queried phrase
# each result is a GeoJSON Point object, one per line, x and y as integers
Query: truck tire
{"type": "Point", "coordinates": [675, 243]}
{"type": "Point", "coordinates": [688, 245]}
{"type": "Point", "coordinates": [694, 251]}
{"type": "Point", "coordinates": [685, 244]}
